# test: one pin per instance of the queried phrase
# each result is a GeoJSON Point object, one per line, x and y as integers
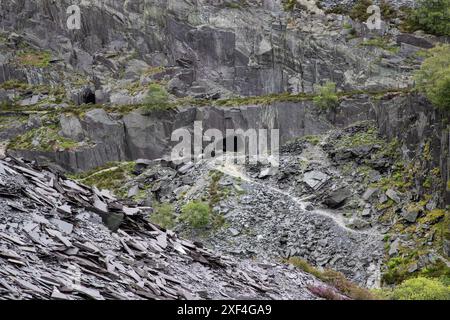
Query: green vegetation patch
{"type": "Point", "coordinates": [215, 194]}
{"type": "Point", "coordinates": [39, 59]}
{"type": "Point", "coordinates": [7, 121]}
{"type": "Point", "coordinates": [432, 16]}
{"type": "Point", "coordinates": [289, 5]}
{"type": "Point", "coordinates": [420, 288]}
{"type": "Point", "coordinates": [111, 177]}
{"type": "Point", "coordinates": [163, 215]}
{"type": "Point", "coordinates": [157, 99]}
{"type": "Point", "coordinates": [367, 137]}
{"type": "Point", "coordinates": [15, 84]}
{"type": "Point", "coordinates": [381, 42]}
{"type": "Point", "coordinates": [327, 97]}
{"type": "Point", "coordinates": [196, 214]}
{"type": "Point", "coordinates": [433, 78]}
{"type": "Point", "coordinates": [43, 139]}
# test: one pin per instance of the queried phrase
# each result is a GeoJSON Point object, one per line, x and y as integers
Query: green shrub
{"type": "Point", "coordinates": [433, 78]}
{"type": "Point", "coordinates": [163, 216]}
{"type": "Point", "coordinates": [421, 289]}
{"type": "Point", "coordinates": [157, 98]}
{"type": "Point", "coordinates": [327, 97]}
{"type": "Point", "coordinates": [432, 16]}
{"type": "Point", "coordinates": [197, 214]}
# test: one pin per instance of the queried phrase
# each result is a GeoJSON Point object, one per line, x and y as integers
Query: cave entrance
{"type": "Point", "coordinates": [88, 97]}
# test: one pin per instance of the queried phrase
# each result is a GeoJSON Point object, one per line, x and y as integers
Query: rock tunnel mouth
{"type": "Point", "coordinates": [88, 97]}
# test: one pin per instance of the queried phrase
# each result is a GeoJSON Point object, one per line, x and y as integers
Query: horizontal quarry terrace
{"type": "Point", "coordinates": [12, 109]}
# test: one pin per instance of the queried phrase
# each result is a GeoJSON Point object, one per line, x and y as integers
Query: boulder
{"type": "Point", "coordinates": [267, 172]}
{"type": "Point", "coordinates": [337, 198]}
{"type": "Point", "coordinates": [100, 127]}
{"type": "Point", "coordinates": [414, 40]}
{"type": "Point", "coordinates": [71, 127]}
{"type": "Point", "coordinates": [141, 165]}
{"type": "Point", "coordinates": [366, 212]}
{"type": "Point", "coordinates": [134, 191]}
{"type": "Point", "coordinates": [393, 250]}
{"type": "Point", "coordinates": [134, 69]}
{"type": "Point", "coordinates": [315, 179]}
{"type": "Point", "coordinates": [84, 95]}
{"type": "Point", "coordinates": [410, 215]}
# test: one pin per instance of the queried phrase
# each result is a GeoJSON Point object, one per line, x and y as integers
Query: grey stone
{"type": "Point", "coordinates": [371, 192]}
{"type": "Point", "coordinates": [179, 192]}
{"type": "Point", "coordinates": [185, 168]}
{"type": "Point", "coordinates": [383, 198]}
{"type": "Point", "coordinates": [393, 249]}
{"type": "Point", "coordinates": [134, 191]}
{"type": "Point", "coordinates": [4, 98]}
{"type": "Point", "coordinates": [267, 172]}
{"type": "Point", "coordinates": [414, 40]}
{"type": "Point", "coordinates": [366, 213]}
{"type": "Point", "coordinates": [337, 198]}
{"type": "Point", "coordinates": [30, 101]}
{"type": "Point", "coordinates": [315, 179]}
{"type": "Point", "coordinates": [71, 127]}
{"type": "Point", "coordinates": [393, 195]}
{"type": "Point", "coordinates": [234, 232]}
{"type": "Point", "coordinates": [410, 216]}
{"type": "Point", "coordinates": [413, 268]}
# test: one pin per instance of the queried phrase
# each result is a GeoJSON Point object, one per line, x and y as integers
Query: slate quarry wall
{"type": "Point", "coordinates": [408, 118]}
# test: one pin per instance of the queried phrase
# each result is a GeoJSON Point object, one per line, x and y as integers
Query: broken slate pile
{"type": "Point", "coordinates": [55, 244]}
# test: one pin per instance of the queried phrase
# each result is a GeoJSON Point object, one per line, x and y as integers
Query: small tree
{"type": "Point", "coordinates": [432, 16]}
{"type": "Point", "coordinates": [196, 214]}
{"type": "Point", "coordinates": [327, 97]}
{"type": "Point", "coordinates": [157, 98]}
{"type": "Point", "coordinates": [433, 78]}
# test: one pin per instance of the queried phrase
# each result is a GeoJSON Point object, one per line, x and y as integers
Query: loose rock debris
{"type": "Point", "coordinates": [55, 244]}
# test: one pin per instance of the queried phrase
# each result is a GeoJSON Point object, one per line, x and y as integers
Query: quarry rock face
{"type": "Point", "coordinates": [251, 50]}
